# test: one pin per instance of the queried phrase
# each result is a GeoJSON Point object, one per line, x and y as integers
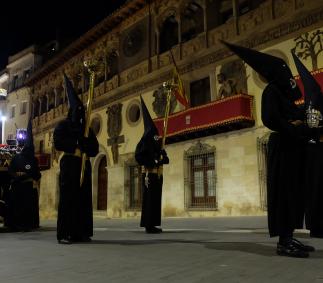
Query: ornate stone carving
{"type": "Point", "coordinates": [198, 149]}
{"type": "Point", "coordinates": [232, 79]}
{"type": "Point", "coordinates": [250, 20]}
{"type": "Point", "coordinates": [160, 101]}
{"type": "Point", "coordinates": [114, 128]}
{"type": "Point", "coordinates": [299, 4]}
{"type": "Point", "coordinates": [309, 45]}
{"type": "Point", "coordinates": [281, 7]}
{"type": "Point", "coordinates": [194, 45]}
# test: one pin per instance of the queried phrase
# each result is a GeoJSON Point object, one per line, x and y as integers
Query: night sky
{"type": "Point", "coordinates": [24, 23]}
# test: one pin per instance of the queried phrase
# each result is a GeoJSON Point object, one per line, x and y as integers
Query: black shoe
{"type": "Point", "coordinates": [289, 249]}
{"type": "Point", "coordinates": [153, 230]}
{"type": "Point", "coordinates": [302, 247]}
{"type": "Point", "coordinates": [65, 241]}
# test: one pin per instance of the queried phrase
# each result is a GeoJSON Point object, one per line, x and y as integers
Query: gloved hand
{"type": "Point", "coordinates": [164, 158]}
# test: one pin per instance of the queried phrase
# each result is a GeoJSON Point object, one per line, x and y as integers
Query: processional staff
{"type": "Point", "coordinates": [90, 65]}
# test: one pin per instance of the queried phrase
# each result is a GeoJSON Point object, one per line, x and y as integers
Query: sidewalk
{"type": "Point", "coordinates": [231, 249]}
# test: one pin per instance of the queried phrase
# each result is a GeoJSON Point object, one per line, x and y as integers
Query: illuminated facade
{"type": "Point", "coordinates": [216, 146]}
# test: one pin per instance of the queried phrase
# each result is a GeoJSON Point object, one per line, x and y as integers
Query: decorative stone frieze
{"type": "Point", "coordinates": [282, 7]}
{"type": "Point", "coordinates": [194, 45]}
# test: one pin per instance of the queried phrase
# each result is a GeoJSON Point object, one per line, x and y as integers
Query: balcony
{"type": "Point", "coordinates": [232, 113]}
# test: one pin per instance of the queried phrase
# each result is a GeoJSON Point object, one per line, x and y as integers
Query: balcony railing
{"type": "Point", "coordinates": [232, 113]}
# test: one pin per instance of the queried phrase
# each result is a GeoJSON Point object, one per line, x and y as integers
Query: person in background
{"type": "Point", "coordinates": [75, 215]}
{"type": "Point", "coordinates": [313, 101]}
{"type": "Point", "coordinates": [24, 171]}
{"type": "Point", "coordinates": [151, 156]}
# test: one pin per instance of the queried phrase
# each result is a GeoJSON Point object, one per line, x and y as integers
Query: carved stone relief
{"type": "Point", "coordinates": [194, 45]}
{"type": "Point", "coordinates": [199, 148]}
{"type": "Point", "coordinates": [250, 20]}
{"type": "Point", "coordinates": [114, 128]}
{"type": "Point", "coordinates": [299, 4]}
{"type": "Point", "coordinates": [161, 7]}
{"type": "Point", "coordinates": [159, 104]}
{"type": "Point", "coordinates": [232, 79]}
{"type": "Point", "coordinates": [282, 7]}
{"type": "Point", "coordinates": [309, 45]}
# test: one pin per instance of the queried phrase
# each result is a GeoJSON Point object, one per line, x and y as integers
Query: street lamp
{"type": "Point", "coordinates": [3, 120]}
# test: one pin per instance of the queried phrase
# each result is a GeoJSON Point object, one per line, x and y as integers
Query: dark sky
{"type": "Point", "coordinates": [24, 23]}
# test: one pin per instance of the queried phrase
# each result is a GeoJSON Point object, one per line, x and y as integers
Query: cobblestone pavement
{"type": "Point", "coordinates": [226, 249]}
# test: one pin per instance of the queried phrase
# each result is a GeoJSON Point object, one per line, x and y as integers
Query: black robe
{"type": "Point", "coordinates": [20, 200]}
{"type": "Point", "coordinates": [314, 184]}
{"type": "Point", "coordinates": [75, 215]}
{"type": "Point", "coordinates": [35, 207]}
{"type": "Point", "coordinates": [4, 189]}
{"type": "Point", "coordinates": [285, 161]}
{"type": "Point", "coordinates": [151, 157]}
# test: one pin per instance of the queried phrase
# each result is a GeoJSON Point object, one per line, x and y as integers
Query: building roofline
{"type": "Point", "coordinates": [85, 40]}
{"type": "Point", "coordinates": [15, 57]}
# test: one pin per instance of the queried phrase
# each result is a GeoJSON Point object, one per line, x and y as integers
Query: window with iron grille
{"type": "Point", "coordinates": [23, 107]}
{"type": "Point", "coordinates": [200, 177]}
{"type": "Point", "coordinates": [13, 111]}
{"type": "Point", "coordinates": [133, 193]}
{"type": "Point", "coordinates": [262, 146]}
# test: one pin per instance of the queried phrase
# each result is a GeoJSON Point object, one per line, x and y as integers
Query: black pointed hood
{"type": "Point", "coordinates": [273, 69]}
{"type": "Point", "coordinates": [149, 146]}
{"type": "Point", "coordinates": [312, 90]}
{"type": "Point", "coordinates": [262, 63]}
{"type": "Point", "coordinates": [150, 128]}
{"type": "Point", "coordinates": [73, 99]}
{"type": "Point", "coordinates": [76, 109]}
{"type": "Point", "coordinates": [29, 143]}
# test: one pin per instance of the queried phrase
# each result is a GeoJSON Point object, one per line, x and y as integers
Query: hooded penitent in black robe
{"type": "Point", "coordinates": [314, 156]}
{"type": "Point", "coordinates": [285, 162]}
{"type": "Point", "coordinates": [151, 156]}
{"type": "Point", "coordinates": [75, 215]}
{"type": "Point", "coordinates": [286, 146]}
{"type": "Point", "coordinates": [21, 206]}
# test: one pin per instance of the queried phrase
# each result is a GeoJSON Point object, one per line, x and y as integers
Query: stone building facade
{"type": "Point", "coordinates": [19, 69]}
{"type": "Point", "coordinates": [216, 159]}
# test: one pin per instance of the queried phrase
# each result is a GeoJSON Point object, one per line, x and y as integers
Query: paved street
{"type": "Point", "coordinates": [231, 249]}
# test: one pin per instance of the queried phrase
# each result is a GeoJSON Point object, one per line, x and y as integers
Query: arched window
{"type": "Point", "coordinates": [192, 21]}
{"type": "Point", "coordinates": [111, 65]}
{"type": "Point", "coordinates": [218, 12]}
{"type": "Point", "coordinates": [51, 100]}
{"type": "Point", "coordinates": [59, 96]}
{"type": "Point", "coordinates": [168, 34]}
{"type": "Point", "coordinates": [36, 105]}
{"type": "Point", "coordinates": [43, 106]}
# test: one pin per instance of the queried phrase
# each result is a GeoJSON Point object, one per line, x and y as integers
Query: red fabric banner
{"type": "Point", "coordinates": [220, 112]}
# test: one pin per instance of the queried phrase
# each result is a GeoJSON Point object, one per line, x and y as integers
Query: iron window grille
{"type": "Point", "coordinates": [200, 177]}
{"type": "Point", "coordinates": [133, 190]}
